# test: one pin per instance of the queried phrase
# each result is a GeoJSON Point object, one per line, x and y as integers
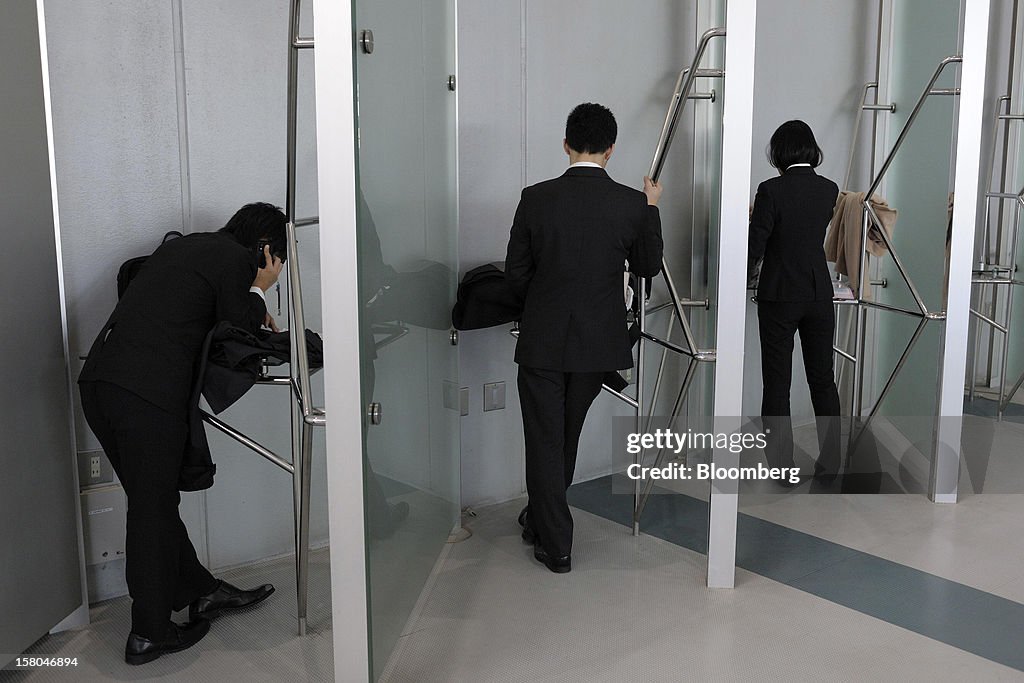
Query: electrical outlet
{"type": "Point", "coordinates": [94, 469]}
{"type": "Point", "coordinates": [494, 396]}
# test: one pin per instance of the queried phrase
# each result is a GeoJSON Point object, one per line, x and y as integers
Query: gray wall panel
{"type": "Point", "coordinates": [522, 67]}
{"type": "Point", "coordinates": [38, 503]}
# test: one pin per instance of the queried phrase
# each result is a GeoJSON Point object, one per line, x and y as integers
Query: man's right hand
{"type": "Point", "coordinates": [267, 276]}
{"type": "Point", "coordinates": [652, 190]}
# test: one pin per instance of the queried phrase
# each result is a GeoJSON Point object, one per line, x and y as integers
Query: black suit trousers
{"type": "Point", "coordinates": [554, 405]}
{"type": "Point", "coordinates": [778, 322]}
{"type": "Point", "coordinates": [145, 444]}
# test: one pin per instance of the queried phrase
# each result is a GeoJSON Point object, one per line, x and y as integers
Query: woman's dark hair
{"type": "Point", "coordinates": [259, 221]}
{"type": "Point", "coordinates": [590, 128]}
{"type": "Point", "coordinates": [793, 143]}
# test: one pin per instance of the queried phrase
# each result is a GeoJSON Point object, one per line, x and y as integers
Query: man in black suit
{"type": "Point", "coordinates": [568, 243]}
{"type": "Point", "coordinates": [135, 389]}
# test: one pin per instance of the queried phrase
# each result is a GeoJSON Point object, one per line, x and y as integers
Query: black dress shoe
{"type": "Point", "coordinates": [529, 535]}
{"type": "Point", "coordinates": [559, 565]}
{"type": "Point", "coordinates": [139, 650]}
{"type": "Point", "coordinates": [227, 598]}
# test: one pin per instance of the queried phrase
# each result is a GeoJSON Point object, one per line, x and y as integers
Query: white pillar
{"type": "Point", "coordinates": [732, 280]}
{"type": "Point", "coordinates": [336, 157]}
{"type": "Point", "coordinates": [966, 214]}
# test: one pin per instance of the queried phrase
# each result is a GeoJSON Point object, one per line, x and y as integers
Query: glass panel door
{"type": "Point", "coordinates": [917, 184]}
{"type": "Point", "coordinates": [407, 233]}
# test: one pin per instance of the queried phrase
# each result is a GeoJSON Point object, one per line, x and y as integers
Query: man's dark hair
{"type": "Point", "coordinates": [793, 143]}
{"type": "Point", "coordinates": [590, 129]}
{"type": "Point", "coordinates": [259, 221]}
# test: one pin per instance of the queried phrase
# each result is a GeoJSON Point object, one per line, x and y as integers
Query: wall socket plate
{"type": "Point", "coordinates": [94, 469]}
{"type": "Point", "coordinates": [494, 396]}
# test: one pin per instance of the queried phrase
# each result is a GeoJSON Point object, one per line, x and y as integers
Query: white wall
{"type": "Point", "coordinates": [132, 165]}
{"type": "Point", "coordinates": [813, 58]}
{"type": "Point", "coordinates": [522, 67]}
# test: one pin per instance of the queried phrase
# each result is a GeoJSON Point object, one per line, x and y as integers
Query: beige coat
{"type": "Point", "coordinates": [842, 243]}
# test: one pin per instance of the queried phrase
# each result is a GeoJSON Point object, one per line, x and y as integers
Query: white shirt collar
{"type": "Point", "coordinates": [795, 165]}
{"type": "Point", "coordinates": [585, 164]}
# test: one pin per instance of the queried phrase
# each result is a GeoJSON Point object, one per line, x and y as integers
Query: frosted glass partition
{"type": "Point", "coordinates": [917, 184]}
{"type": "Point", "coordinates": [1015, 176]}
{"type": "Point", "coordinates": [407, 238]}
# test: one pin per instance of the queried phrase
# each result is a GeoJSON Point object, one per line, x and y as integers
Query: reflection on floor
{"type": "Point", "coordinates": [400, 565]}
{"type": "Point", "coordinates": [258, 645]}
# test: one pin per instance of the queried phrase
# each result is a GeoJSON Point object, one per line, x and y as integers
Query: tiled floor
{"type": "Point", "coordinates": [257, 645]}
{"type": "Point", "coordinates": [637, 609]}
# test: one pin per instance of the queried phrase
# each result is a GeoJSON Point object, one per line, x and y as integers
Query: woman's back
{"type": "Point", "coordinates": [787, 227]}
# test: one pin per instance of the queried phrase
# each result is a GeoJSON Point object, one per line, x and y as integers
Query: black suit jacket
{"type": "Point", "coordinates": [152, 344]}
{"type": "Point", "coordinates": [569, 240]}
{"type": "Point", "coordinates": [787, 227]}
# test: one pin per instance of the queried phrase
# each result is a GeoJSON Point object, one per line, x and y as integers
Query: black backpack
{"type": "Point", "coordinates": [130, 268]}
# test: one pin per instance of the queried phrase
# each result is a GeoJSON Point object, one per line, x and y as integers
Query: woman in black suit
{"type": "Point", "coordinates": [787, 231]}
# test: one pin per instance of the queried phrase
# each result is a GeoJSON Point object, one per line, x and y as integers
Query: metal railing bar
{"type": "Point", "coordinates": [684, 83]}
{"type": "Point", "coordinates": [684, 389]}
{"type": "Point", "coordinates": [673, 294]}
{"type": "Point", "coordinates": [668, 345]}
{"type": "Point", "coordinates": [628, 400]}
{"type": "Point", "coordinates": [894, 254]}
{"type": "Point", "coordinates": [844, 354]}
{"type": "Point", "coordinates": [899, 366]}
{"type": "Point", "coordinates": [661, 372]}
{"type": "Point", "coordinates": [1004, 401]}
{"type": "Point", "coordinates": [893, 309]}
{"type": "Point", "coordinates": [246, 441]}
{"type": "Point", "coordinates": [274, 380]}
{"type": "Point", "coordinates": [985, 319]}
{"type": "Point", "coordinates": [954, 59]}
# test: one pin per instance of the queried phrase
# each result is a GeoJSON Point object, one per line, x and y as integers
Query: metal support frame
{"type": "Point", "coordinates": [676, 304]}
{"type": "Point", "coordinates": [303, 415]}
{"type": "Point", "coordinates": [860, 305]}
{"type": "Point", "coordinates": [994, 271]}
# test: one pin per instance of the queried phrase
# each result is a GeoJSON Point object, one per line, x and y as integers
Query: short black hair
{"type": "Point", "coordinates": [793, 143]}
{"type": "Point", "coordinates": [590, 128]}
{"type": "Point", "coordinates": [259, 221]}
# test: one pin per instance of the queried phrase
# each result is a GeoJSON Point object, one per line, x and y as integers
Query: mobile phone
{"type": "Point", "coordinates": [261, 257]}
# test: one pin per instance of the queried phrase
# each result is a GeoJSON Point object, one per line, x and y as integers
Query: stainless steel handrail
{"type": "Point", "coordinates": [864, 106]}
{"type": "Point", "coordinates": [953, 59]}
{"type": "Point", "coordinates": [870, 217]}
{"type": "Point", "coordinates": [297, 328]}
{"type": "Point", "coordinates": [248, 442]}
{"type": "Point", "coordinates": [684, 84]}
{"type": "Point", "coordinates": [681, 93]}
